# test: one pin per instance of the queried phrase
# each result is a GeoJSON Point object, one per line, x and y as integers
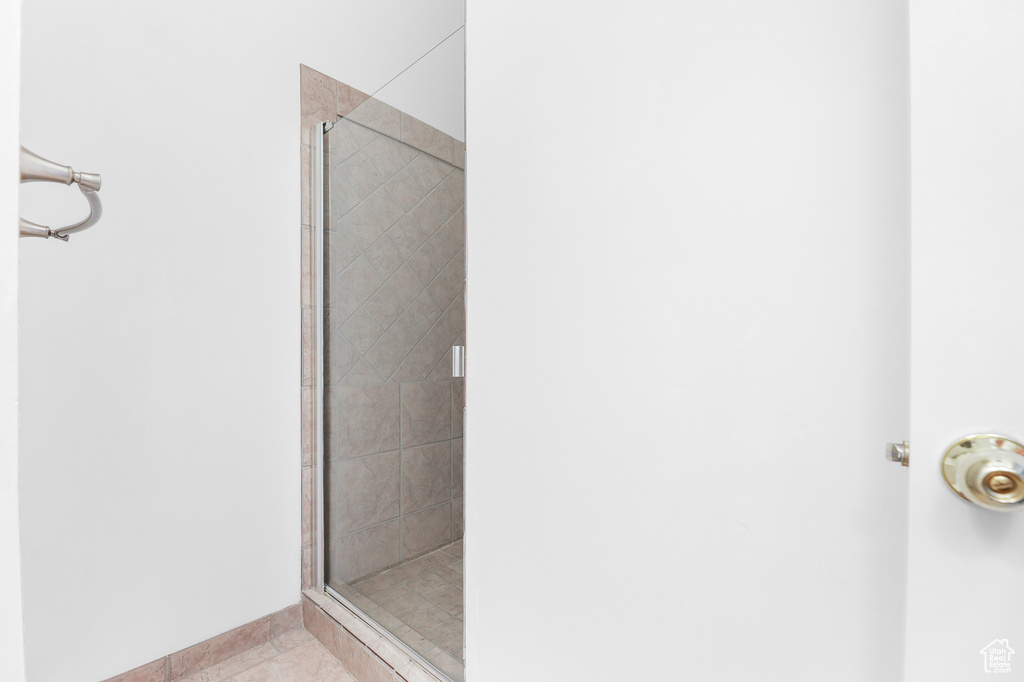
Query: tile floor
{"type": "Point", "coordinates": [420, 601]}
{"type": "Point", "coordinates": [293, 656]}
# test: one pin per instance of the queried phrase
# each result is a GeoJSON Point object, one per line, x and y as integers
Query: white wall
{"type": "Point", "coordinates": [688, 340]}
{"type": "Point", "coordinates": [12, 656]}
{"type": "Point", "coordinates": [160, 350]}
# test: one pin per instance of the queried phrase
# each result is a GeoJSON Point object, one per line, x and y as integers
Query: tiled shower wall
{"type": "Point", "coordinates": [393, 293]}
{"type": "Point", "coordinates": [324, 98]}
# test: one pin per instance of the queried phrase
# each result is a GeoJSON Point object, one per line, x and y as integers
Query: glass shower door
{"type": "Point", "coordinates": [393, 309]}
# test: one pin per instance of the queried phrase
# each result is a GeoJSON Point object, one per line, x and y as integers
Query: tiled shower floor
{"type": "Point", "coordinates": [295, 656]}
{"type": "Point", "coordinates": [420, 601]}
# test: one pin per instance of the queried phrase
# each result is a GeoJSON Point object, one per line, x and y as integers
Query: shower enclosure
{"type": "Point", "coordinates": [390, 392]}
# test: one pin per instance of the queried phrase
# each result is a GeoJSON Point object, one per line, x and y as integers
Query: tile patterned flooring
{"type": "Point", "coordinates": [421, 602]}
{"type": "Point", "coordinates": [293, 656]}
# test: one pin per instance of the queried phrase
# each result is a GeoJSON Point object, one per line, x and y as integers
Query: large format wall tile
{"type": "Point", "coordinates": [364, 492]}
{"type": "Point", "coordinates": [363, 553]}
{"type": "Point", "coordinates": [426, 530]}
{"type": "Point", "coordinates": [457, 470]}
{"type": "Point", "coordinates": [426, 412]}
{"type": "Point", "coordinates": [363, 420]}
{"type": "Point", "coordinates": [426, 476]}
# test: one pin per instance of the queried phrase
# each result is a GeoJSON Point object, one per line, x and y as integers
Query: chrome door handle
{"type": "Point", "coordinates": [987, 470]}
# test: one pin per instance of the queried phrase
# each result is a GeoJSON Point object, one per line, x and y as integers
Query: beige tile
{"type": "Point", "coordinates": [457, 468]}
{"type": "Point", "coordinates": [307, 663]}
{"type": "Point", "coordinates": [443, 336]}
{"type": "Point", "coordinates": [413, 639]}
{"type": "Point", "coordinates": [458, 403]}
{"type": "Point", "coordinates": [305, 173]}
{"type": "Point", "coordinates": [286, 619]}
{"type": "Point", "coordinates": [349, 98]}
{"type": "Point", "coordinates": [379, 116]}
{"type": "Point", "coordinates": [391, 654]}
{"type": "Point", "coordinates": [319, 97]}
{"type": "Point", "coordinates": [362, 227]}
{"type": "Point", "coordinates": [405, 285]}
{"type": "Point", "coordinates": [406, 190]}
{"type": "Point", "coordinates": [435, 560]}
{"type": "Point", "coordinates": [364, 419]}
{"type": "Point", "coordinates": [456, 314]}
{"type": "Point", "coordinates": [408, 571]}
{"type": "Point", "coordinates": [426, 476]}
{"type": "Point", "coordinates": [422, 359]}
{"type": "Point", "coordinates": [307, 426]}
{"type": "Point", "coordinates": [384, 157]}
{"type": "Point", "coordinates": [156, 671]}
{"type": "Point", "coordinates": [384, 257]}
{"type": "Point", "coordinates": [458, 519]}
{"type": "Point", "coordinates": [383, 618]}
{"type": "Point", "coordinates": [447, 635]}
{"type": "Point", "coordinates": [361, 492]}
{"type": "Point", "coordinates": [341, 198]}
{"type": "Point", "coordinates": [361, 331]}
{"type": "Point", "coordinates": [451, 575]}
{"type": "Point", "coordinates": [450, 601]}
{"type": "Point", "coordinates": [291, 639]}
{"type": "Point", "coordinates": [426, 412]}
{"type": "Point", "coordinates": [425, 264]}
{"type": "Point", "coordinates": [307, 571]}
{"type": "Point", "coordinates": [430, 586]}
{"type": "Point", "coordinates": [307, 506]}
{"type": "Point", "coordinates": [361, 375]}
{"type": "Point", "coordinates": [442, 291]}
{"type": "Point", "coordinates": [249, 658]}
{"type": "Point", "coordinates": [449, 196]}
{"type": "Point", "coordinates": [413, 672]}
{"type": "Point", "coordinates": [384, 307]}
{"type": "Point", "coordinates": [424, 617]}
{"type": "Point", "coordinates": [362, 663]}
{"type": "Point", "coordinates": [341, 251]}
{"type": "Point", "coordinates": [458, 153]}
{"type": "Point", "coordinates": [426, 137]}
{"type": "Point", "coordinates": [394, 346]}
{"type": "Point", "coordinates": [384, 208]}
{"type": "Point", "coordinates": [363, 632]}
{"type": "Point", "coordinates": [447, 664]}
{"type": "Point", "coordinates": [424, 311]}
{"type": "Point", "coordinates": [456, 229]}
{"type": "Point", "coordinates": [340, 143]}
{"type": "Point", "coordinates": [217, 649]}
{"type": "Point", "coordinates": [307, 347]}
{"type": "Point", "coordinates": [325, 630]}
{"type": "Point", "coordinates": [400, 599]}
{"type": "Point", "coordinates": [361, 174]}
{"type": "Point", "coordinates": [426, 530]}
{"type": "Point", "coordinates": [363, 552]}
{"type": "Point", "coordinates": [374, 585]}
{"type": "Point", "coordinates": [426, 175]}
{"type": "Point", "coordinates": [455, 549]}
{"type": "Point", "coordinates": [305, 267]}
{"type": "Point", "coordinates": [339, 356]}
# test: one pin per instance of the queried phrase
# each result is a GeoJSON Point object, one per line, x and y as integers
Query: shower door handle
{"type": "Point", "coordinates": [458, 361]}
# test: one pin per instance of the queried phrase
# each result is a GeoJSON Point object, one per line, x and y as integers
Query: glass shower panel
{"type": "Point", "coordinates": [394, 306]}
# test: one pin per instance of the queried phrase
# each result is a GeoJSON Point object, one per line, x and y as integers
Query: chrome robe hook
{"type": "Point", "coordinates": [35, 168]}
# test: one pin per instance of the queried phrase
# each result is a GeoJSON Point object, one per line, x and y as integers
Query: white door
{"type": "Point", "coordinates": [967, 350]}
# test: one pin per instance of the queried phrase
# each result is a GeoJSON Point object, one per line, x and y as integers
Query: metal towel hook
{"type": "Point", "coordinates": [35, 168]}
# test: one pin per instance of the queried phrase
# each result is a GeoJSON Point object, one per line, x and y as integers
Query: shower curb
{"type": "Point", "coordinates": [362, 651]}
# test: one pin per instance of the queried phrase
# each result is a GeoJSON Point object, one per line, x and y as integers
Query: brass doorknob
{"type": "Point", "coordinates": [987, 470]}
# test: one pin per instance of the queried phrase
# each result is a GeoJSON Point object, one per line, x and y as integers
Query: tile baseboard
{"type": "Point", "coordinates": [215, 650]}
